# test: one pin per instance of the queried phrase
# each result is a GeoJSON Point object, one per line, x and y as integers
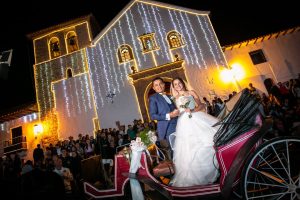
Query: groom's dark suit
{"type": "Point", "coordinates": [159, 107]}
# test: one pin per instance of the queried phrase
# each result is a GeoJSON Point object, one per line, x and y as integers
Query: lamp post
{"type": "Point", "coordinates": [37, 129]}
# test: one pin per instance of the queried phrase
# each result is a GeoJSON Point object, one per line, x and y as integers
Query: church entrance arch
{"type": "Point", "coordinates": [142, 83]}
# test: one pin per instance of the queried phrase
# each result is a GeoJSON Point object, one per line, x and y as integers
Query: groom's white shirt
{"type": "Point", "coordinates": [168, 101]}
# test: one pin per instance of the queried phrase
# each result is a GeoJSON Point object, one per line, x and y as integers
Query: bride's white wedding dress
{"type": "Point", "coordinates": [194, 155]}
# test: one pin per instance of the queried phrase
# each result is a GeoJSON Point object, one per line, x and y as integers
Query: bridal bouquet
{"type": "Point", "coordinates": [146, 138]}
{"type": "Point", "coordinates": [184, 103]}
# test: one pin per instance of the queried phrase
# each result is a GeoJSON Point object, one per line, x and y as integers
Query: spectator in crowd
{"type": "Point", "coordinates": [38, 154]}
{"type": "Point", "coordinates": [28, 167]}
{"type": "Point", "coordinates": [65, 174]}
{"type": "Point", "coordinates": [131, 132]}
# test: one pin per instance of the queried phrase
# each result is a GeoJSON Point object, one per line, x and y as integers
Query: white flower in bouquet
{"type": "Point", "coordinates": [184, 103]}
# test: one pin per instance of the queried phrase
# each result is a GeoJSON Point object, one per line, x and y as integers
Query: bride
{"type": "Point", "coordinates": [194, 155]}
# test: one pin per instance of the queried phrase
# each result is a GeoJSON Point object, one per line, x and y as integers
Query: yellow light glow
{"type": "Point", "coordinates": [37, 129]}
{"type": "Point", "coordinates": [232, 74]}
{"type": "Point", "coordinates": [238, 71]}
{"type": "Point", "coordinates": [226, 75]}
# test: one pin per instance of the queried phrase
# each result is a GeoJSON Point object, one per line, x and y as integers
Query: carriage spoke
{"type": "Point", "coordinates": [288, 164]}
{"type": "Point", "coordinates": [282, 196]}
{"type": "Point", "coordinates": [294, 196]}
{"type": "Point", "coordinates": [269, 176]}
{"type": "Point", "coordinates": [270, 195]}
{"type": "Point", "coordinates": [273, 169]}
{"type": "Point", "coordinates": [297, 180]}
{"type": "Point", "coordinates": [267, 184]}
{"type": "Point", "coordinates": [288, 160]}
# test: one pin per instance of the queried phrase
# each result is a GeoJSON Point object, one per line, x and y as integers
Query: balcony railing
{"type": "Point", "coordinates": [16, 144]}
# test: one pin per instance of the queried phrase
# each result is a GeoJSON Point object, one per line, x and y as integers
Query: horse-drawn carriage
{"type": "Point", "coordinates": [250, 166]}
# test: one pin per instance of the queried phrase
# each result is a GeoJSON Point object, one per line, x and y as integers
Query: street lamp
{"type": "Point", "coordinates": [37, 129]}
{"type": "Point", "coordinates": [233, 73]}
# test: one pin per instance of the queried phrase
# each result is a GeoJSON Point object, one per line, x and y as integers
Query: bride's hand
{"type": "Point", "coordinates": [188, 110]}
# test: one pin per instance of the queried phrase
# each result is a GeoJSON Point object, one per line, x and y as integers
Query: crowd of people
{"type": "Point", "coordinates": [63, 159]}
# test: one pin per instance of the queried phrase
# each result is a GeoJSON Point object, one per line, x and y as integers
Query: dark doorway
{"type": "Point", "coordinates": [16, 135]}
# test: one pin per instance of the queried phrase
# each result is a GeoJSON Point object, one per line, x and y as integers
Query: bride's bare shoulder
{"type": "Point", "coordinates": [192, 92]}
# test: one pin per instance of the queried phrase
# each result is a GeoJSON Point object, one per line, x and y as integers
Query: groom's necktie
{"type": "Point", "coordinates": [166, 97]}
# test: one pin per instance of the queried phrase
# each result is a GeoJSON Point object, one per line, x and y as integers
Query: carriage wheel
{"type": "Point", "coordinates": [273, 171]}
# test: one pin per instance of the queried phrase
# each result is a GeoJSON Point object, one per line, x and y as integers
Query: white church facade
{"type": "Point", "coordinates": [85, 82]}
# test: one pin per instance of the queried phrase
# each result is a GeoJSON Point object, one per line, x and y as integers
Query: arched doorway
{"type": "Point", "coordinates": [142, 82]}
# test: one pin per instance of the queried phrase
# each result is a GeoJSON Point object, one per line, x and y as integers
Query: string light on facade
{"type": "Point", "coordinates": [92, 63]}
{"type": "Point", "coordinates": [113, 64]}
{"type": "Point", "coordinates": [206, 38]}
{"type": "Point", "coordinates": [182, 31]}
{"type": "Point", "coordinates": [144, 17]}
{"type": "Point", "coordinates": [160, 23]}
{"type": "Point", "coordinates": [155, 29]}
{"type": "Point", "coordinates": [175, 27]}
{"type": "Point", "coordinates": [191, 41]}
{"type": "Point", "coordinates": [77, 96]}
{"type": "Point", "coordinates": [82, 94]}
{"type": "Point", "coordinates": [160, 39]}
{"type": "Point", "coordinates": [41, 81]}
{"type": "Point", "coordinates": [104, 68]}
{"type": "Point", "coordinates": [197, 42]}
{"type": "Point", "coordinates": [116, 38]}
{"type": "Point", "coordinates": [136, 32]}
{"type": "Point", "coordinates": [86, 83]}
{"type": "Point", "coordinates": [108, 66]}
{"type": "Point", "coordinates": [133, 40]}
{"type": "Point", "coordinates": [123, 42]}
{"type": "Point", "coordinates": [213, 40]}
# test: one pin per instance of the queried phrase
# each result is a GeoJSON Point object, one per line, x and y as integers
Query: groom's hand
{"type": "Point", "coordinates": [174, 113]}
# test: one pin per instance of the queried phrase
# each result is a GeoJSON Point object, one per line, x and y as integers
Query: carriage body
{"type": "Point", "coordinates": [225, 155]}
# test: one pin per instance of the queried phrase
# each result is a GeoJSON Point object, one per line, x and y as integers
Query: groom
{"type": "Point", "coordinates": [164, 111]}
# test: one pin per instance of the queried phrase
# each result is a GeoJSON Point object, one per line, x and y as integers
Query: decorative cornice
{"type": "Point", "coordinates": [146, 73]}
{"type": "Point", "coordinates": [260, 39]}
{"type": "Point", "coordinates": [45, 31]}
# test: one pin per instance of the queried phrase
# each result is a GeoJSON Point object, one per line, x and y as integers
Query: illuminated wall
{"type": "Point", "coordinates": [27, 122]}
{"type": "Point", "coordinates": [74, 106]}
{"type": "Point", "coordinates": [202, 55]}
{"type": "Point", "coordinates": [57, 95]}
{"type": "Point", "coordinates": [281, 52]}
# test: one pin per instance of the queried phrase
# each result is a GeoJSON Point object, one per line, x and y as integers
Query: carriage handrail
{"type": "Point", "coordinates": [241, 157]}
{"type": "Point", "coordinates": [123, 145]}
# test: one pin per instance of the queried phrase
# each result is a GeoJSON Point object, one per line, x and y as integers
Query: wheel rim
{"type": "Point", "coordinates": [274, 170]}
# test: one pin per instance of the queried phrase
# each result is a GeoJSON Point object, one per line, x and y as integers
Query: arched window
{"type": "Point", "coordinates": [71, 41]}
{"type": "Point", "coordinates": [148, 42]}
{"type": "Point", "coordinates": [69, 73]}
{"type": "Point", "coordinates": [174, 40]}
{"type": "Point", "coordinates": [54, 47]}
{"type": "Point", "coordinates": [125, 53]}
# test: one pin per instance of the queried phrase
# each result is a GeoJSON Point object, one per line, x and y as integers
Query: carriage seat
{"type": "Point", "coordinates": [159, 168]}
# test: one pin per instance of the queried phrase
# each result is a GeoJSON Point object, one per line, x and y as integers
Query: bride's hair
{"type": "Point", "coordinates": [173, 91]}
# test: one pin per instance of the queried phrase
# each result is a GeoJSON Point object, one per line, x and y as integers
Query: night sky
{"type": "Point", "coordinates": [233, 22]}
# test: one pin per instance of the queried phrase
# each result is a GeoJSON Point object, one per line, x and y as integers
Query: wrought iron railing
{"type": "Point", "coordinates": [15, 144]}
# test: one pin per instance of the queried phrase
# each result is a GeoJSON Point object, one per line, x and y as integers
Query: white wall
{"type": "Point", "coordinates": [282, 54]}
